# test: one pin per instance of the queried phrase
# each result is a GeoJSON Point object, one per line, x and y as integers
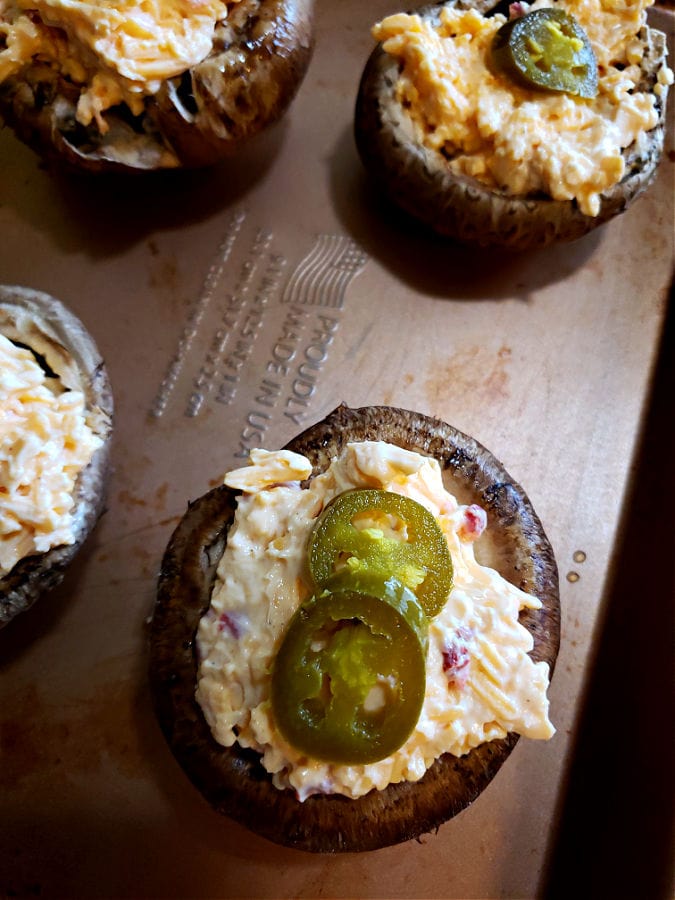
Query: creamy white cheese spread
{"type": "Point", "coordinates": [45, 441]}
{"type": "Point", "coordinates": [508, 137]}
{"type": "Point", "coordinates": [118, 51]}
{"type": "Point", "coordinates": [480, 682]}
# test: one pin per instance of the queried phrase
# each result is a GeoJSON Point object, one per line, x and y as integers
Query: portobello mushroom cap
{"type": "Point", "coordinates": [232, 779]}
{"type": "Point", "coordinates": [419, 179]}
{"type": "Point", "coordinates": [259, 58]}
{"type": "Point", "coordinates": [63, 347]}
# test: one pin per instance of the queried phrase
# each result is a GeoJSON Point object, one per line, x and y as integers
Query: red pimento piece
{"type": "Point", "coordinates": [517, 10]}
{"type": "Point", "coordinates": [456, 658]}
{"type": "Point", "coordinates": [229, 622]}
{"type": "Point", "coordinates": [474, 523]}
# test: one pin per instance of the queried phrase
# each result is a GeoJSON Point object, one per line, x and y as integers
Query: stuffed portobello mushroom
{"type": "Point", "coordinates": [54, 443]}
{"type": "Point", "coordinates": [137, 86]}
{"type": "Point", "coordinates": [515, 128]}
{"type": "Point", "coordinates": [332, 662]}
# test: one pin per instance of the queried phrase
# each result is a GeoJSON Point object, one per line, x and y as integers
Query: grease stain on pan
{"type": "Point", "coordinates": [41, 740]}
{"type": "Point", "coordinates": [473, 371]}
{"type": "Point", "coordinates": [129, 499]}
{"type": "Point", "coordinates": [393, 398]}
{"type": "Point", "coordinates": [164, 273]}
{"type": "Point", "coordinates": [160, 496]}
{"type": "Point", "coordinates": [147, 560]}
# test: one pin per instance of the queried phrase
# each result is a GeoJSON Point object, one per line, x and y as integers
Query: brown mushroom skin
{"type": "Point", "coordinates": [231, 778]}
{"type": "Point", "coordinates": [260, 55]}
{"type": "Point", "coordinates": [42, 323]}
{"type": "Point", "coordinates": [419, 179]}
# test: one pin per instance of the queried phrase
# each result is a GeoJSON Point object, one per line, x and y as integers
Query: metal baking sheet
{"type": "Point", "coordinates": [234, 307]}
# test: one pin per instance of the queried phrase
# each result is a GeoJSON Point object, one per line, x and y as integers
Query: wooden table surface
{"type": "Point", "coordinates": [196, 290]}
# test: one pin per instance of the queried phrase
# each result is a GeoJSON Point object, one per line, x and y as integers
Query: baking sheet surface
{"type": "Point", "coordinates": [234, 307]}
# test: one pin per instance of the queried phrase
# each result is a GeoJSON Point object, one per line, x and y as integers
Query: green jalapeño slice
{"type": "Point", "coordinates": [547, 49]}
{"type": "Point", "coordinates": [383, 534]}
{"type": "Point", "coordinates": [349, 679]}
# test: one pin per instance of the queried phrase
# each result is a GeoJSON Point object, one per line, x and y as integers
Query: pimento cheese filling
{"type": "Point", "coordinates": [45, 441]}
{"type": "Point", "coordinates": [480, 682]}
{"type": "Point", "coordinates": [513, 139]}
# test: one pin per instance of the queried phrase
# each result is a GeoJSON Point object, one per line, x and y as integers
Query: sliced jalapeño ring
{"type": "Point", "coordinates": [383, 534]}
{"type": "Point", "coordinates": [548, 50]}
{"type": "Point", "coordinates": [349, 679]}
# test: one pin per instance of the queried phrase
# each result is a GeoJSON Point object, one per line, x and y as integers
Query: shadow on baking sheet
{"type": "Point", "coordinates": [433, 265]}
{"type": "Point", "coordinates": [82, 749]}
{"type": "Point", "coordinates": [107, 214]}
{"type": "Point", "coordinates": [42, 617]}
{"type": "Point", "coordinates": [617, 820]}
